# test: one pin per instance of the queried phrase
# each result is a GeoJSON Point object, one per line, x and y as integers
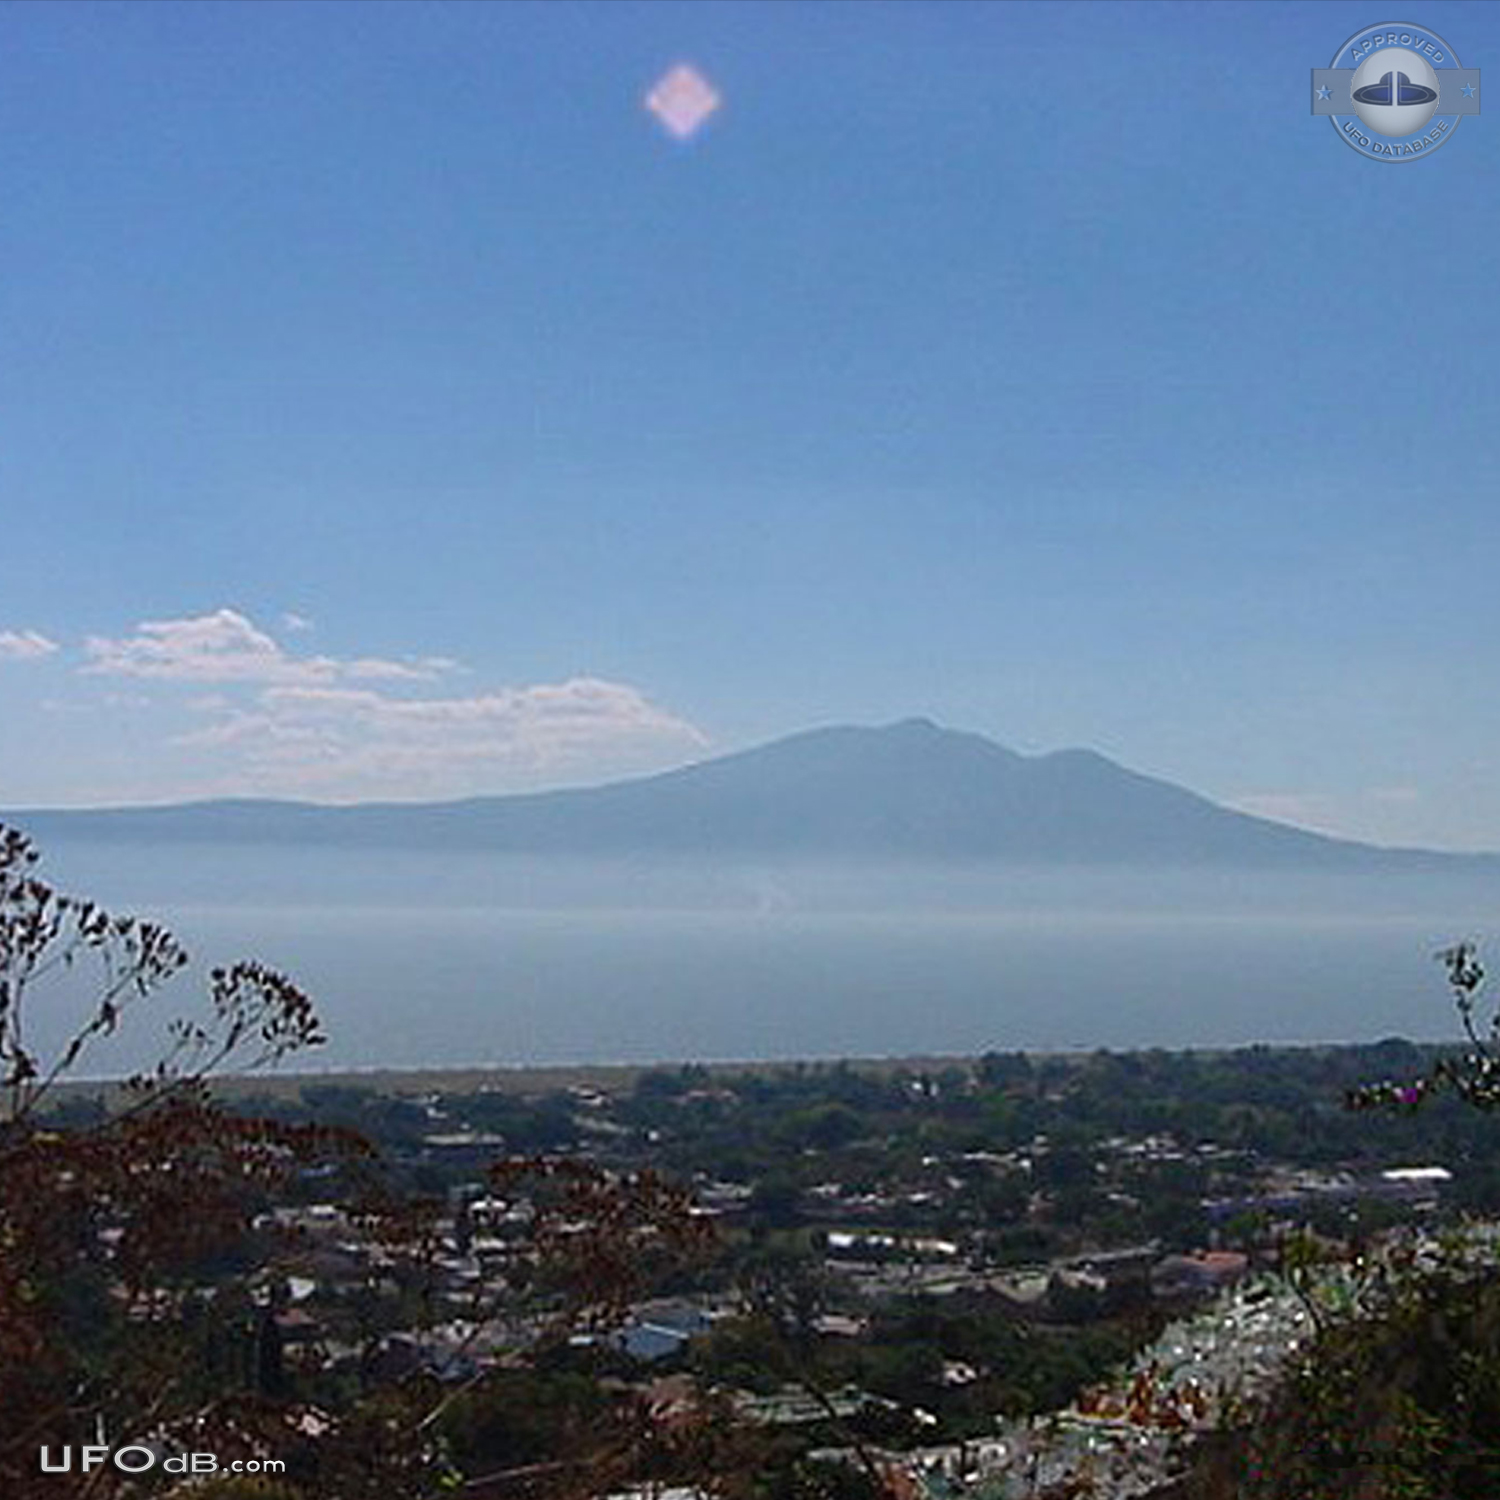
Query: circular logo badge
{"type": "Point", "coordinates": [1387, 93]}
{"type": "Point", "coordinates": [1395, 93]}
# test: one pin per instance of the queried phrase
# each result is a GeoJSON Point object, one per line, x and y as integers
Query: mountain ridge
{"type": "Point", "coordinates": [911, 789]}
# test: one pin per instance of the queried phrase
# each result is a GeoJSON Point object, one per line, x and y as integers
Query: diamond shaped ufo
{"type": "Point", "coordinates": [682, 100]}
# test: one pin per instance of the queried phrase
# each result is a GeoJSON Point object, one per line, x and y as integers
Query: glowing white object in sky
{"type": "Point", "coordinates": [682, 100]}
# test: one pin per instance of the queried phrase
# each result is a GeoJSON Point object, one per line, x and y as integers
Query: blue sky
{"type": "Point", "coordinates": [390, 407]}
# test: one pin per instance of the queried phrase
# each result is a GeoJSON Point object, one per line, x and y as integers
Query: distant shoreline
{"type": "Point", "coordinates": [544, 1078]}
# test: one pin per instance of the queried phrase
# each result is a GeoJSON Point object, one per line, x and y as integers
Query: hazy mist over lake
{"type": "Point", "coordinates": [422, 960]}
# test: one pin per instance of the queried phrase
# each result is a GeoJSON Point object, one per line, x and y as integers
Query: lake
{"type": "Point", "coordinates": [425, 960]}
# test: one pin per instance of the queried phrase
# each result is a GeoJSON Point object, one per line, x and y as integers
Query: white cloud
{"type": "Point", "coordinates": [1396, 795]}
{"type": "Point", "coordinates": [239, 712]}
{"type": "Point", "coordinates": [346, 742]}
{"type": "Point", "coordinates": [368, 668]}
{"type": "Point", "coordinates": [225, 647]}
{"type": "Point", "coordinates": [25, 645]}
{"type": "Point", "coordinates": [291, 620]}
{"type": "Point", "coordinates": [1377, 814]}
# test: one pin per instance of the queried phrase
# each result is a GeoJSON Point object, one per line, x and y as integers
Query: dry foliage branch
{"type": "Point", "coordinates": [107, 1328]}
{"type": "Point", "coordinates": [1474, 1076]}
{"type": "Point", "coordinates": [101, 1227]}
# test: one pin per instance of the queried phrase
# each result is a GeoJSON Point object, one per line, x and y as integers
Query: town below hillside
{"type": "Point", "coordinates": [974, 1274]}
